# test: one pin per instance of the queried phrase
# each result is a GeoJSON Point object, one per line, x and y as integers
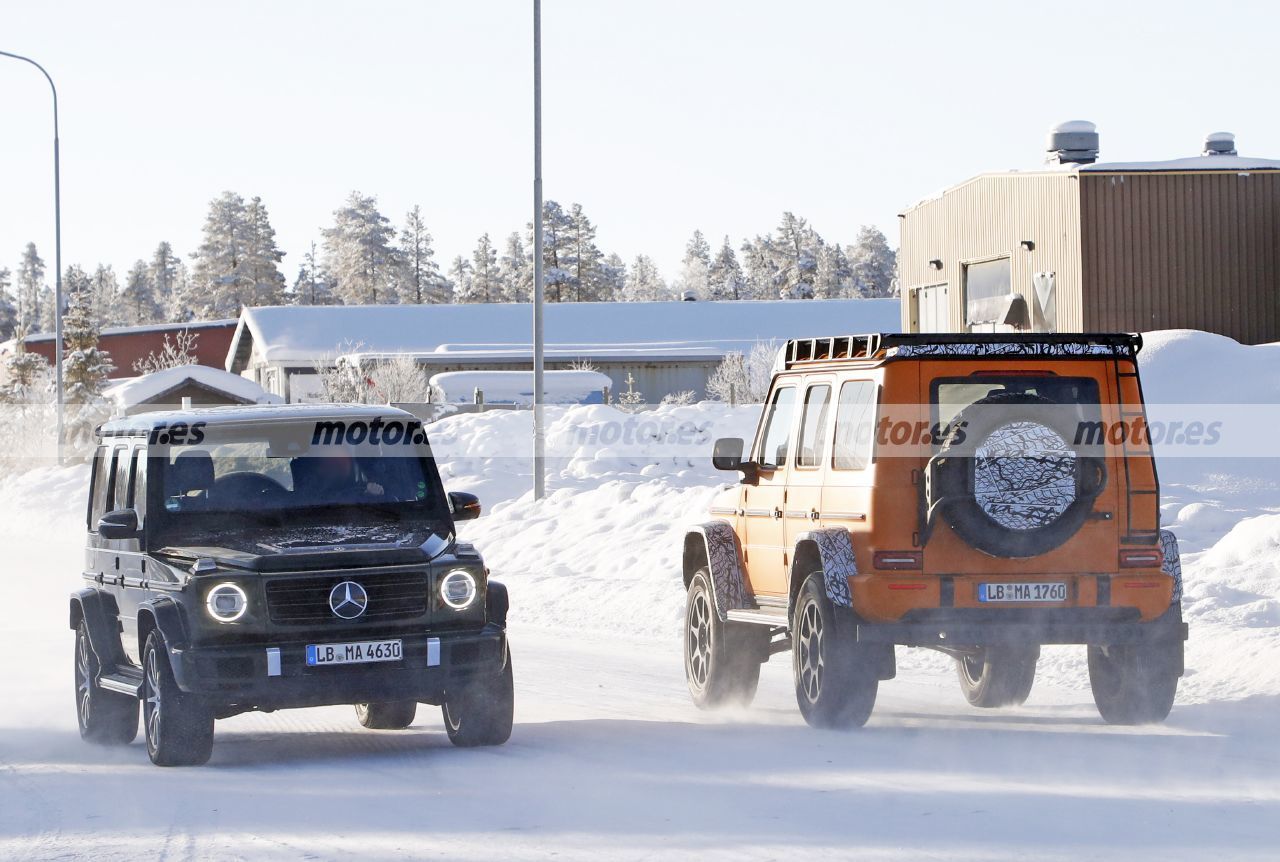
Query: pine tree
{"type": "Point", "coordinates": [725, 279]}
{"type": "Point", "coordinates": [85, 366]}
{"type": "Point", "coordinates": [420, 279]}
{"type": "Point", "coordinates": [557, 255]}
{"type": "Point", "coordinates": [833, 278]}
{"type": "Point", "coordinates": [797, 258]}
{"type": "Point", "coordinates": [312, 284]}
{"type": "Point", "coordinates": [462, 281]}
{"type": "Point", "coordinates": [30, 287]}
{"type": "Point", "coordinates": [644, 282]}
{"type": "Point", "coordinates": [8, 311]}
{"type": "Point", "coordinates": [762, 276]}
{"type": "Point", "coordinates": [359, 252]}
{"type": "Point", "coordinates": [106, 296]}
{"type": "Point", "coordinates": [873, 263]}
{"type": "Point", "coordinates": [163, 272]}
{"type": "Point", "coordinates": [516, 271]}
{"type": "Point", "coordinates": [237, 262]}
{"type": "Point", "coordinates": [27, 376]}
{"type": "Point", "coordinates": [585, 258]}
{"type": "Point", "coordinates": [486, 278]}
{"type": "Point", "coordinates": [138, 299]}
{"type": "Point", "coordinates": [696, 271]}
{"type": "Point", "coordinates": [613, 277]}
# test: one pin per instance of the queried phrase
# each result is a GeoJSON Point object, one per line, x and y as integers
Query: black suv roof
{"type": "Point", "coordinates": [144, 423]}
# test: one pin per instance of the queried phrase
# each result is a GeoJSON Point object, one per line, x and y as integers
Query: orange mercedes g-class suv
{"type": "Point", "coordinates": [981, 495]}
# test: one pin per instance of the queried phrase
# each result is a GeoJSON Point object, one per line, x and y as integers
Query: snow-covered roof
{"type": "Point", "coordinates": [516, 387]}
{"type": "Point", "coordinates": [151, 388]}
{"type": "Point", "coordinates": [193, 325]}
{"type": "Point", "coordinates": [1214, 162]}
{"type": "Point", "coordinates": [456, 333]}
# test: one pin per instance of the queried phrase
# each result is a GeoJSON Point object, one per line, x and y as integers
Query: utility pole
{"type": "Point", "coordinates": [539, 438]}
{"type": "Point", "coordinates": [57, 253]}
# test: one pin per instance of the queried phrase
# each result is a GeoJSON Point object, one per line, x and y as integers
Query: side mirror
{"type": "Point", "coordinates": [119, 524]}
{"type": "Point", "coordinates": [727, 455]}
{"type": "Point", "coordinates": [464, 506]}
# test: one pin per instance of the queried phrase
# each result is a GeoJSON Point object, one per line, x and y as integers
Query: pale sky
{"type": "Point", "coordinates": [659, 117]}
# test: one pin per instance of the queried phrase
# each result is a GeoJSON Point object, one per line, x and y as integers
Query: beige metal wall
{"type": "Point", "coordinates": [1197, 250]}
{"type": "Point", "coordinates": [990, 216]}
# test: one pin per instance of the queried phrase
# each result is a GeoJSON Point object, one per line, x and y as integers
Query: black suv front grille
{"type": "Point", "coordinates": [397, 595]}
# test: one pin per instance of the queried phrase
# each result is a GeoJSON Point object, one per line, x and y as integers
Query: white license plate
{"type": "Point", "coordinates": [1023, 592]}
{"type": "Point", "coordinates": [354, 653]}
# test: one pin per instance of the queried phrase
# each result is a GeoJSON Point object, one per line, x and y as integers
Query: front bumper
{"type": "Point", "coordinates": [276, 675]}
{"type": "Point", "coordinates": [966, 627]}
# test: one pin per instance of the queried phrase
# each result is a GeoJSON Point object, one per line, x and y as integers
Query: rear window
{"type": "Point", "coordinates": [950, 395]}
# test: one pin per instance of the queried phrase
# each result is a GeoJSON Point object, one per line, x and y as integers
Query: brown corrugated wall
{"type": "Point", "coordinates": [1195, 250]}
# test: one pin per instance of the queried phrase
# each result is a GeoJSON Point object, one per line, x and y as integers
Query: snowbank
{"type": "Point", "coordinates": [516, 387]}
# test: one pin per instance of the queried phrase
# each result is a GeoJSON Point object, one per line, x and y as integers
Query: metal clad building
{"type": "Point", "coordinates": [1085, 246]}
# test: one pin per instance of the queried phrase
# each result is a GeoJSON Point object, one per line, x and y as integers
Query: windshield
{"type": "Point", "coordinates": [276, 471]}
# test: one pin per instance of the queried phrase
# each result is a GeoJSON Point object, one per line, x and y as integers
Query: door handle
{"type": "Point", "coordinates": [777, 513]}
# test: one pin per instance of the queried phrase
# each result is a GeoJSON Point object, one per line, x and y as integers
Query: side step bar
{"type": "Point", "coordinates": [759, 616]}
{"type": "Point", "coordinates": [127, 680]}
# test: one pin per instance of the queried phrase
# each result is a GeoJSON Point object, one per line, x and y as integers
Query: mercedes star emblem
{"type": "Point", "coordinates": [348, 600]}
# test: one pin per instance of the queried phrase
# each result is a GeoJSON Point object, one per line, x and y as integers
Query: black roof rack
{"type": "Point", "coordinates": [1115, 345]}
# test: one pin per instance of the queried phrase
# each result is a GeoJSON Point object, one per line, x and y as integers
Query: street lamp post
{"type": "Point", "coordinates": [57, 251]}
{"type": "Point", "coordinates": [539, 437]}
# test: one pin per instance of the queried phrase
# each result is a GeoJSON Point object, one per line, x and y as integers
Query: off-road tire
{"type": "Point", "coordinates": [993, 677]}
{"type": "Point", "coordinates": [391, 715]}
{"type": "Point", "coordinates": [836, 679]}
{"type": "Point", "coordinates": [721, 659]}
{"type": "Point", "coordinates": [178, 726]}
{"type": "Point", "coordinates": [1134, 684]}
{"type": "Point", "coordinates": [104, 717]}
{"type": "Point", "coordinates": [482, 712]}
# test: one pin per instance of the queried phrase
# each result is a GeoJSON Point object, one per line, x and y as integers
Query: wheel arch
{"type": "Point", "coordinates": [97, 610]}
{"type": "Point", "coordinates": [829, 550]}
{"type": "Point", "coordinates": [714, 545]}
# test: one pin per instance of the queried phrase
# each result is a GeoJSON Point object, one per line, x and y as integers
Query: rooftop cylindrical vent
{"type": "Point", "coordinates": [1072, 143]}
{"type": "Point", "coordinates": [1219, 144]}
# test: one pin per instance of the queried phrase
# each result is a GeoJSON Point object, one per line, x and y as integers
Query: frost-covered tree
{"type": "Point", "coordinates": [237, 263]}
{"type": "Point", "coordinates": [85, 366]}
{"type": "Point", "coordinates": [176, 353]}
{"type": "Point", "coordinates": [106, 296]}
{"type": "Point", "coordinates": [833, 278]}
{"type": "Point", "coordinates": [744, 379]}
{"type": "Point", "coordinates": [138, 301]}
{"type": "Point", "coordinates": [419, 275]}
{"type": "Point", "coordinates": [28, 377]}
{"type": "Point", "coordinates": [486, 278]}
{"type": "Point", "coordinates": [644, 282]}
{"type": "Point", "coordinates": [311, 287]}
{"type": "Point", "coordinates": [359, 252]}
{"type": "Point", "coordinates": [463, 284]}
{"type": "Point", "coordinates": [873, 263]}
{"type": "Point", "coordinates": [613, 277]}
{"type": "Point", "coordinates": [760, 264]}
{"type": "Point", "coordinates": [30, 288]}
{"type": "Point", "coordinates": [8, 311]}
{"type": "Point", "coordinates": [164, 272]}
{"type": "Point", "coordinates": [695, 272]}
{"type": "Point", "coordinates": [515, 271]}
{"type": "Point", "coordinates": [725, 279]}
{"type": "Point", "coordinates": [585, 260]}
{"type": "Point", "coordinates": [796, 248]}
{"type": "Point", "coordinates": [558, 265]}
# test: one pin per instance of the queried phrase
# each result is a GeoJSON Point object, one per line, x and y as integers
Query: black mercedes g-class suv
{"type": "Point", "coordinates": [263, 558]}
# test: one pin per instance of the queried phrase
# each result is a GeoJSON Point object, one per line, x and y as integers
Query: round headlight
{"type": "Point", "coordinates": [458, 589]}
{"type": "Point", "coordinates": [226, 603]}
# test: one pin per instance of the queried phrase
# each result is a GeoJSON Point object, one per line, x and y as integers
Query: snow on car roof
{"type": "Point", "coordinates": [143, 423]}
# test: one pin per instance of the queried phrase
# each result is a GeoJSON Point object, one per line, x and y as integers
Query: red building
{"type": "Point", "coordinates": [129, 344]}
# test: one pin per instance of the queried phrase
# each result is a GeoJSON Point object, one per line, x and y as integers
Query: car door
{"type": "Point", "coordinates": [846, 493]}
{"type": "Point", "coordinates": [808, 462]}
{"type": "Point", "coordinates": [133, 591]}
{"type": "Point", "coordinates": [764, 533]}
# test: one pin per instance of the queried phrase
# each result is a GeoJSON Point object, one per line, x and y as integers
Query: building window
{"type": "Point", "coordinates": [984, 282]}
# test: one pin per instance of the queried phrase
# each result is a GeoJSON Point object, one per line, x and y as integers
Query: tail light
{"type": "Point", "coordinates": [898, 559]}
{"type": "Point", "coordinates": [1143, 559]}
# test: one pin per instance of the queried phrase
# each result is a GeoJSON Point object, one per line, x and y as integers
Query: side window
{"type": "Point", "coordinates": [777, 430]}
{"type": "Point", "coordinates": [855, 425]}
{"type": "Point", "coordinates": [101, 482]}
{"type": "Point", "coordinates": [138, 482]}
{"type": "Point", "coordinates": [813, 426]}
{"type": "Point", "coordinates": [120, 487]}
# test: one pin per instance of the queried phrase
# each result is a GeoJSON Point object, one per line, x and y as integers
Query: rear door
{"type": "Point", "coordinates": [808, 469]}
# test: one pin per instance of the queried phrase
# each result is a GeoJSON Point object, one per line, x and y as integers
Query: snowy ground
{"type": "Point", "coordinates": [610, 759]}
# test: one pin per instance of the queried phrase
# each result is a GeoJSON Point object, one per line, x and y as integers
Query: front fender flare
{"type": "Point", "coordinates": [717, 544]}
{"type": "Point", "coordinates": [101, 618]}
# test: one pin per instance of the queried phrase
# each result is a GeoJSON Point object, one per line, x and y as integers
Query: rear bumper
{"type": "Point", "coordinates": [244, 677]}
{"type": "Point", "coordinates": [1008, 627]}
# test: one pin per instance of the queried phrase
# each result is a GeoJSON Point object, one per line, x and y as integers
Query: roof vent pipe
{"type": "Point", "coordinates": [1072, 143]}
{"type": "Point", "coordinates": [1219, 144]}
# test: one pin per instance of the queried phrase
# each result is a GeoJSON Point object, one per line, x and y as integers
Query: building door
{"type": "Point", "coordinates": [933, 311]}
